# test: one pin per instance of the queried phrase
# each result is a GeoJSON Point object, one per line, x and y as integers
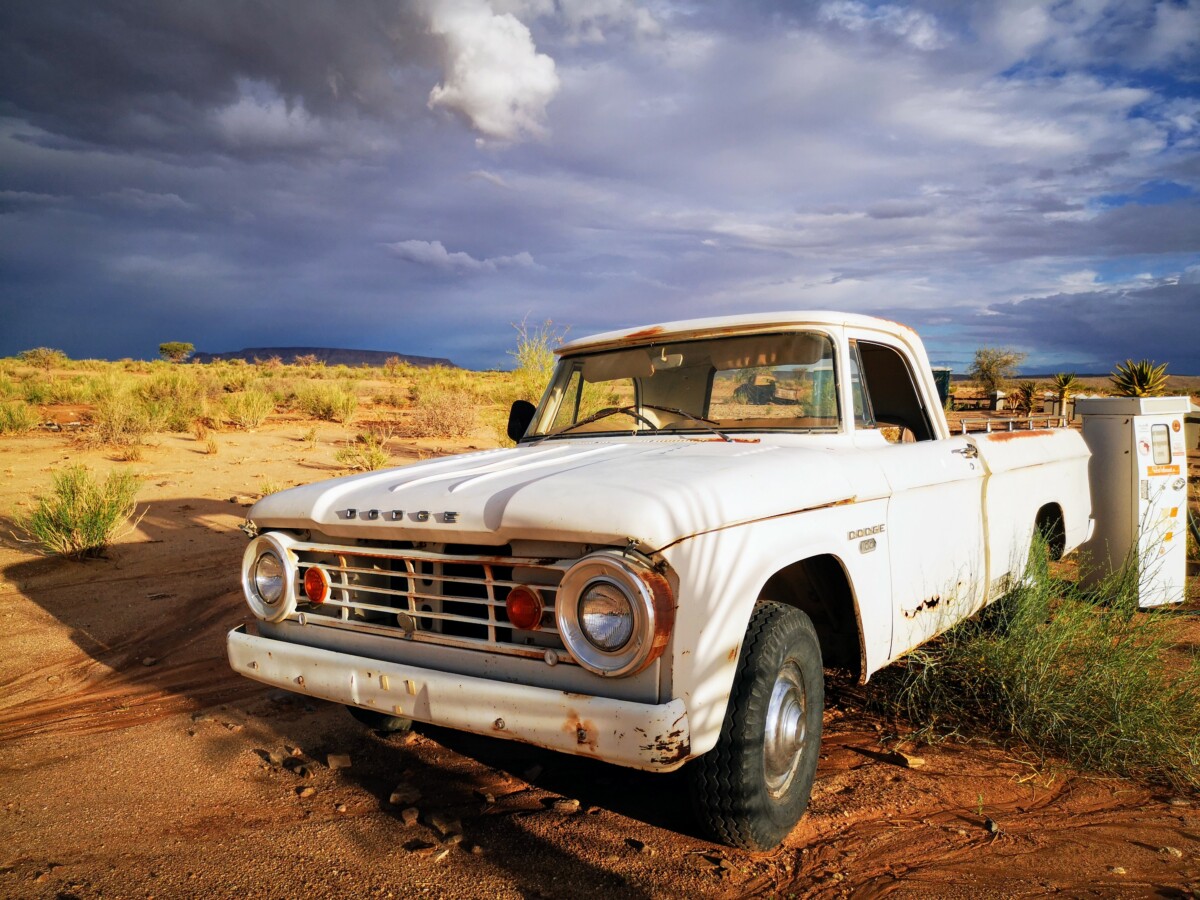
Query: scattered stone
{"type": "Point", "coordinates": [567, 805]}
{"type": "Point", "coordinates": [476, 850]}
{"type": "Point", "coordinates": [445, 824]}
{"type": "Point", "coordinates": [990, 826]}
{"type": "Point", "coordinates": [53, 679]}
{"type": "Point", "coordinates": [838, 876]}
{"type": "Point", "coordinates": [442, 855]}
{"type": "Point", "coordinates": [905, 760]}
{"type": "Point", "coordinates": [486, 796]}
{"type": "Point", "coordinates": [274, 757]}
{"type": "Point", "coordinates": [410, 815]}
{"type": "Point", "coordinates": [532, 774]}
{"type": "Point", "coordinates": [961, 832]}
{"type": "Point", "coordinates": [341, 807]}
{"type": "Point", "coordinates": [233, 726]}
{"type": "Point", "coordinates": [1117, 870]}
{"type": "Point", "coordinates": [452, 839]}
{"type": "Point", "coordinates": [149, 660]}
{"type": "Point", "coordinates": [1172, 851]}
{"type": "Point", "coordinates": [306, 791]}
{"type": "Point", "coordinates": [294, 751]}
{"type": "Point", "coordinates": [404, 794]}
{"type": "Point", "coordinates": [640, 846]}
{"type": "Point", "coordinates": [339, 760]}
{"type": "Point", "coordinates": [303, 771]}
{"type": "Point", "coordinates": [1179, 801]}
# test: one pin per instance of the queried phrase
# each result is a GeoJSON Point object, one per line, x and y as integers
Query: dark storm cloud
{"type": "Point", "coordinates": [418, 175]}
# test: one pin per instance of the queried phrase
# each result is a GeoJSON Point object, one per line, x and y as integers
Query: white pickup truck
{"type": "Point", "coordinates": [696, 520]}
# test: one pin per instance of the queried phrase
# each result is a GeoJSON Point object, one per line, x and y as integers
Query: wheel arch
{"type": "Point", "coordinates": [1051, 525]}
{"type": "Point", "coordinates": [820, 586]}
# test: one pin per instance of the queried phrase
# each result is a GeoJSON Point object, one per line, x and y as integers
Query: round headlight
{"type": "Point", "coordinates": [606, 616]}
{"type": "Point", "coordinates": [614, 613]}
{"type": "Point", "coordinates": [268, 578]}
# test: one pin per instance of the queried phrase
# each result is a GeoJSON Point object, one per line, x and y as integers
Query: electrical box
{"type": "Point", "coordinates": [1138, 475]}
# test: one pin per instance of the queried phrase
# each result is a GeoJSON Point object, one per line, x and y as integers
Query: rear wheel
{"type": "Point", "coordinates": [379, 721]}
{"type": "Point", "coordinates": [753, 787]}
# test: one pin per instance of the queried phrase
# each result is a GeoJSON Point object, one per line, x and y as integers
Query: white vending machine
{"type": "Point", "coordinates": [1138, 475]}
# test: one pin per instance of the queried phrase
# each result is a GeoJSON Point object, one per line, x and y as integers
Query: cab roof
{"type": "Point", "coordinates": [720, 326]}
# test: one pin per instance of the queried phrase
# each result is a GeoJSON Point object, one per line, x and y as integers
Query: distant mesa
{"type": "Point", "coordinates": [331, 356]}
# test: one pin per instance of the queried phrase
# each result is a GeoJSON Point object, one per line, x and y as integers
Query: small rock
{"type": "Point", "coordinates": [306, 791]}
{"type": "Point", "coordinates": [1117, 870]}
{"type": "Point", "coordinates": [53, 679]}
{"type": "Point", "coordinates": [338, 760]}
{"type": "Point", "coordinates": [294, 751]}
{"type": "Point", "coordinates": [566, 805]}
{"type": "Point", "coordinates": [303, 771]}
{"type": "Point", "coordinates": [274, 757]}
{"type": "Point", "coordinates": [341, 807]}
{"type": "Point", "coordinates": [442, 855]}
{"type": "Point", "coordinates": [838, 876]}
{"type": "Point", "coordinates": [990, 826]}
{"type": "Point", "coordinates": [445, 823]}
{"type": "Point", "coordinates": [452, 839]}
{"type": "Point", "coordinates": [532, 773]}
{"type": "Point", "coordinates": [905, 760]}
{"type": "Point", "coordinates": [640, 846]}
{"type": "Point", "coordinates": [410, 816]}
{"type": "Point", "coordinates": [727, 865]}
{"type": "Point", "coordinates": [1172, 851]}
{"type": "Point", "coordinates": [476, 850]}
{"type": "Point", "coordinates": [404, 794]}
{"type": "Point", "coordinates": [149, 660]}
{"type": "Point", "coordinates": [485, 796]}
{"type": "Point", "coordinates": [1179, 801]}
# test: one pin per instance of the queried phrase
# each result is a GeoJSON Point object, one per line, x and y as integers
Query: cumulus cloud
{"type": "Point", "coordinates": [494, 76]}
{"type": "Point", "coordinates": [913, 26]}
{"type": "Point", "coordinates": [435, 255]}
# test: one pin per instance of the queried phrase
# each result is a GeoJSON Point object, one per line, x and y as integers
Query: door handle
{"type": "Point", "coordinates": [969, 452]}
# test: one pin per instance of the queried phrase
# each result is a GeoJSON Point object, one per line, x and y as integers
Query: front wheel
{"type": "Point", "coordinates": [751, 789]}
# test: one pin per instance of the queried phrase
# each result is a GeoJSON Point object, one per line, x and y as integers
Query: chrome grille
{"type": "Point", "coordinates": [448, 599]}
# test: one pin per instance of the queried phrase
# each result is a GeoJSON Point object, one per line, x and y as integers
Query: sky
{"type": "Point", "coordinates": [419, 176]}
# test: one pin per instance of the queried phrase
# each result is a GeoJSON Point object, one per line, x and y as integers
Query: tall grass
{"type": "Point", "coordinates": [327, 401]}
{"type": "Point", "coordinates": [82, 516]}
{"type": "Point", "coordinates": [445, 414]}
{"type": "Point", "coordinates": [248, 409]}
{"type": "Point", "coordinates": [17, 417]}
{"type": "Point", "coordinates": [1070, 673]}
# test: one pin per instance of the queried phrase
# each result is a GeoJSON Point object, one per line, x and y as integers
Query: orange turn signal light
{"type": "Point", "coordinates": [316, 585]}
{"type": "Point", "coordinates": [524, 607]}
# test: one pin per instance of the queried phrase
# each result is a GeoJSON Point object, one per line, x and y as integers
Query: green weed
{"type": "Point", "coordinates": [82, 516]}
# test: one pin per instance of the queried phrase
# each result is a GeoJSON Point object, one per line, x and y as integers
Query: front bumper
{"type": "Point", "coordinates": [653, 737]}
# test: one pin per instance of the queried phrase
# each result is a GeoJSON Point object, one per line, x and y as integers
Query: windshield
{"type": "Point", "coordinates": [777, 382]}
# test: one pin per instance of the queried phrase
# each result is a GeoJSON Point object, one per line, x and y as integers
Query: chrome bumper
{"type": "Point", "coordinates": [653, 737]}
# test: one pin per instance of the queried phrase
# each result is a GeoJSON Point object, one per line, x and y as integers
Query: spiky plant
{"type": "Point", "coordinates": [1139, 379]}
{"type": "Point", "coordinates": [1066, 385]}
{"type": "Point", "coordinates": [1023, 396]}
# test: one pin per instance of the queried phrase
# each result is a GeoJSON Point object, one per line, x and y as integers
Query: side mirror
{"type": "Point", "coordinates": [519, 418]}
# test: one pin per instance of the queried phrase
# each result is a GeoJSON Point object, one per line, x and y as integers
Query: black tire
{"type": "Point", "coordinates": [749, 791]}
{"type": "Point", "coordinates": [379, 721]}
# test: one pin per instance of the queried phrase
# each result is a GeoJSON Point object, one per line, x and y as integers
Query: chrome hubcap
{"type": "Point", "coordinates": [785, 729]}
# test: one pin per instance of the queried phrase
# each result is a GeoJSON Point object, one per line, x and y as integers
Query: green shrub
{"type": "Point", "coordinates": [1080, 675]}
{"type": "Point", "coordinates": [446, 414]}
{"type": "Point", "coordinates": [44, 358]}
{"type": "Point", "coordinates": [17, 418]}
{"type": "Point", "coordinates": [248, 409]}
{"type": "Point", "coordinates": [119, 420]}
{"type": "Point", "coordinates": [535, 359]}
{"type": "Point", "coordinates": [82, 516]}
{"type": "Point", "coordinates": [367, 453]}
{"type": "Point", "coordinates": [173, 398]}
{"type": "Point", "coordinates": [327, 401]}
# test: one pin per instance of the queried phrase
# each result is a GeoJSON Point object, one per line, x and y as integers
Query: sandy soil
{"type": "Point", "coordinates": [133, 763]}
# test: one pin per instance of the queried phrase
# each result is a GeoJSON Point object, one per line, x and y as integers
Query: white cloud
{"type": "Point", "coordinates": [917, 28]}
{"type": "Point", "coordinates": [435, 255]}
{"type": "Point", "coordinates": [494, 77]}
{"type": "Point", "coordinates": [260, 118]}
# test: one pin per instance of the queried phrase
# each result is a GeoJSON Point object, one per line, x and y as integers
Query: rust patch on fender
{"type": "Point", "coordinates": [733, 653]}
{"type": "Point", "coordinates": [671, 748]}
{"type": "Point", "coordinates": [664, 613]}
{"type": "Point", "coordinates": [999, 437]}
{"type": "Point", "coordinates": [644, 333]}
{"type": "Point", "coordinates": [931, 603]}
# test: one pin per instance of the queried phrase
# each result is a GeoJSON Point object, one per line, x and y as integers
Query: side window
{"type": "Point", "coordinates": [891, 391]}
{"type": "Point", "coordinates": [863, 416]}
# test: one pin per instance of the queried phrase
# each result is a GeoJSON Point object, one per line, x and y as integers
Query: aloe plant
{"type": "Point", "coordinates": [1139, 379]}
{"type": "Point", "coordinates": [1023, 396]}
{"type": "Point", "coordinates": [1066, 385]}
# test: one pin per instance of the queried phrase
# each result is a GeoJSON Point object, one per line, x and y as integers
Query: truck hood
{"type": "Point", "coordinates": [654, 491]}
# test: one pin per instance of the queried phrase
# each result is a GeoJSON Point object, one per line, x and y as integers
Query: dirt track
{"type": "Point", "coordinates": [135, 764]}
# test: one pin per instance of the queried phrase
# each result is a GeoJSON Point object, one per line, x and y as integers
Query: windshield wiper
{"type": "Point", "coordinates": [597, 416]}
{"type": "Point", "coordinates": [707, 423]}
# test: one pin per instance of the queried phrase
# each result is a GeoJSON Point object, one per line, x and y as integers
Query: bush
{"type": "Point", "coordinates": [17, 418]}
{"type": "Point", "coordinates": [119, 420]}
{"type": "Point", "coordinates": [367, 453]}
{"type": "Point", "coordinates": [445, 413]}
{"type": "Point", "coordinates": [249, 409]}
{"type": "Point", "coordinates": [993, 366]}
{"type": "Point", "coordinates": [1068, 675]}
{"type": "Point", "coordinates": [44, 357]}
{"type": "Point", "coordinates": [328, 402]}
{"type": "Point", "coordinates": [535, 359]}
{"type": "Point", "coordinates": [173, 399]}
{"type": "Point", "coordinates": [82, 516]}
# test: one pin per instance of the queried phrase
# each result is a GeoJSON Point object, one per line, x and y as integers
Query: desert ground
{"type": "Point", "coordinates": [135, 764]}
